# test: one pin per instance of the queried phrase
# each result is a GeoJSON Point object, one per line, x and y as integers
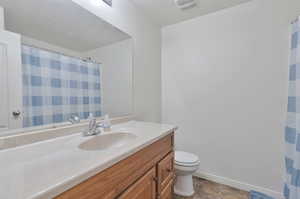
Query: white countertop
{"type": "Point", "coordinates": [46, 169]}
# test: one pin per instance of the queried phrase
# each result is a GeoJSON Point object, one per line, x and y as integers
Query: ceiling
{"type": "Point", "coordinates": [165, 12]}
{"type": "Point", "coordinates": [59, 22]}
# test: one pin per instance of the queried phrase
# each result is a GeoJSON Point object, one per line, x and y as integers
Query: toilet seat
{"type": "Point", "coordinates": [186, 159]}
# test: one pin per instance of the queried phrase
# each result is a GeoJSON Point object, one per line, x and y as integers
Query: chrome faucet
{"type": "Point", "coordinates": [93, 127]}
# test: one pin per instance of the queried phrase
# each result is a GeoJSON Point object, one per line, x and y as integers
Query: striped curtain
{"type": "Point", "coordinates": [292, 130]}
{"type": "Point", "coordinates": [56, 86]}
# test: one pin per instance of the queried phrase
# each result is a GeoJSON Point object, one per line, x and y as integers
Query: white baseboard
{"type": "Point", "coordinates": [239, 185]}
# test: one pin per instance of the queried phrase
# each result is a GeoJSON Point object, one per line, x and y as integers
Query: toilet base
{"type": "Point", "coordinates": [184, 185]}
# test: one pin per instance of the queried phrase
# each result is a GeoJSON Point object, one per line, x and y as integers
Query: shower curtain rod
{"type": "Point", "coordinates": [86, 59]}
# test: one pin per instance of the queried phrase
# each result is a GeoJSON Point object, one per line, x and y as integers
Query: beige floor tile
{"type": "Point", "coordinates": [209, 190]}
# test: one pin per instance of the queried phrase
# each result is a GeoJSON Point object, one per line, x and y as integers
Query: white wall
{"type": "Point", "coordinates": [224, 78]}
{"type": "Point", "coordinates": [116, 67]}
{"type": "Point", "coordinates": [147, 52]}
{"type": "Point", "coordinates": [38, 43]}
{"type": "Point", "coordinates": [44, 45]}
{"type": "Point", "coordinates": [1, 18]}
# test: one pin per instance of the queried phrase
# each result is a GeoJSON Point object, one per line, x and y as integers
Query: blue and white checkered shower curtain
{"type": "Point", "coordinates": [56, 86]}
{"type": "Point", "coordinates": [292, 130]}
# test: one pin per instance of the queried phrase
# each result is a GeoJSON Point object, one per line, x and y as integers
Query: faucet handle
{"type": "Point", "coordinates": [106, 122]}
{"type": "Point", "coordinates": [74, 119]}
{"type": "Point", "coordinates": [92, 122]}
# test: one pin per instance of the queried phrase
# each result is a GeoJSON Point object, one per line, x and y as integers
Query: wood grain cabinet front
{"type": "Point", "coordinates": [167, 193]}
{"type": "Point", "coordinates": [165, 170]}
{"type": "Point", "coordinates": [143, 175]}
{"type": "Point", "coordinates": [144, 188]}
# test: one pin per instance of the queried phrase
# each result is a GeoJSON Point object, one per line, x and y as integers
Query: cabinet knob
{"type": "Point", "coordinates": [155, 179]}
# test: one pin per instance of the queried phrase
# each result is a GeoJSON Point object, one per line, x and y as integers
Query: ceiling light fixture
{"type": "Point", "coordinates": [108, 2]}
{"type": "Point", "coordinates": [185, 4]}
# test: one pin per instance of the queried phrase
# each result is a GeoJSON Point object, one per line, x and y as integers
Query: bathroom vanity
{"type": "Point", "coordinates": [133, 160]}
{"type": "Point", "coordinates": [147, 174]}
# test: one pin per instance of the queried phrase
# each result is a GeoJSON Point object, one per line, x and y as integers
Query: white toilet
{"type": "Point", "coordinates": [185, 165]}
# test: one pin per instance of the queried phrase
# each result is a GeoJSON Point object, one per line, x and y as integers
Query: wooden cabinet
{"type": "Point", "coordinates": [152, 186]}
{"type": "Point", "coordinates": [147, 174]}
{"type": "Point", "coordinates": [165, 172]}
{"type": "Point", "coordinates": [167, 192]}
{"type": "Point", "coordinates": [144, 188]}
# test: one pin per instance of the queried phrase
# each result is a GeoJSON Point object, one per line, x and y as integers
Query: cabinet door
{"type": "Point", "coordinates": [144, 188]}
{"type": "Point", "coordinates": [167, 193]}
{"type": "Point", "coordinates": [3, 89]}
{"type": "Point", "coordinates": [165, 171]}
{"type": "Point", "coordinates": [10, 80]}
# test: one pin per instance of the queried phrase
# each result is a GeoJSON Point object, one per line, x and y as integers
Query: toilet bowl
{"type": "Point", "coordinates": [185, 165]}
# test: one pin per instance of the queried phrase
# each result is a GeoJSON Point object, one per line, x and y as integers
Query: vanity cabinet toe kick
{"type": "Point", "coordinates": [147, 174]}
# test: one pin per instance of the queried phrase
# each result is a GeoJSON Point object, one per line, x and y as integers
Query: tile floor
{"type": "Point", "coordinates": [209, 190]}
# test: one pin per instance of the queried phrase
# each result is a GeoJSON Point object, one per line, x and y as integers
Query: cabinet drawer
{"type": "Point", "coordinates": [165, 170]}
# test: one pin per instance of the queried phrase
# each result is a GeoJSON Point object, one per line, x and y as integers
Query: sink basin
{"type": "Point", "coordinates": [107, 141]}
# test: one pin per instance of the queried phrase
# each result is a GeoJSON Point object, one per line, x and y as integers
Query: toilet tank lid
{"type": "Point", "coordinates": [184, 157]}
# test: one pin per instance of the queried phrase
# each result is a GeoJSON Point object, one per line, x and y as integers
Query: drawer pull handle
{"type": "Point", "coordinates": [155, 179]}
{"type": "Point", "coordinates": [169, 170]}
